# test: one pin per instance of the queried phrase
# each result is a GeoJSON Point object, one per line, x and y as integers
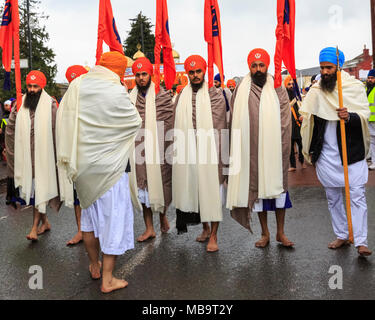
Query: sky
{"type": "Point", "coordinates": [246, 24]}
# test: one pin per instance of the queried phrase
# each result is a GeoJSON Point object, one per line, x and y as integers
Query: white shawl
{"type": "Point", "coordinates": [324, 105]}
{"type": "Point", "coordinates": [45, 165]}
{"type": "Point", "coordinates": [97, 125]}
{"type": "Point", "coordinates": [270, 175]}
{"type": "Point", "coordinates": [152, 150]}
{"type": "Point", "coordinates": [195, 178]}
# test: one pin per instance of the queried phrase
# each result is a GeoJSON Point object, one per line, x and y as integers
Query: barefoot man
{"type": "Point", "coordinates": [96, 129]}
{"type": "Point", "coordinates": [322, 146]}
{"type": "Point", "coordinates": [154, 174]}
{"type": "Point", "coordinates": [260, 147]}
{"type": "Point", "coordinates": [30, 148]}
{"type": "Point", "coordinates": [71, 73]}
{"type": "Point", "coordinates": [197, 176]}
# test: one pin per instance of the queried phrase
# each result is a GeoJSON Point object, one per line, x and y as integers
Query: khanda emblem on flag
{"type": "Point", "coordinates": [287, 20]}
{"type": "Point", "coordinates": [7, 16]}
{"type": "Point", "coordinates": [115, 31]}
{"type": "Point", "coordinates": [215, 25]}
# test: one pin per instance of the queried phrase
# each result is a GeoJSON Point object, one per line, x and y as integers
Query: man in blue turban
{"type": "Point", "coordinates": [321, 140]}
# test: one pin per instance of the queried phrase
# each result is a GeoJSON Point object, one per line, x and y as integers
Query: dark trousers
{"type": "Point", "coordinates": [300, 154]}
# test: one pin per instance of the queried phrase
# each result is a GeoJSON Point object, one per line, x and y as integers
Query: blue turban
{"type": "Point", "coordinates": [217, 77]}
{"type": "Point", "coordinates": [371, 73]}
{"type": "Point", "coordinates": [329, 55]}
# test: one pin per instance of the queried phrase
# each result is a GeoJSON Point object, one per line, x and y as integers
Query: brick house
{"type": "Point", "coordinates": [360, 65]}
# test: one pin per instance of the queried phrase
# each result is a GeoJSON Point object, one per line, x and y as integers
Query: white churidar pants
{"type": "Point", "coordinates": [111, 219]}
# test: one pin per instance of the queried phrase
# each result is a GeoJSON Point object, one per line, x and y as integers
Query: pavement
{"type": "Point", "coordinates": [173, 266]}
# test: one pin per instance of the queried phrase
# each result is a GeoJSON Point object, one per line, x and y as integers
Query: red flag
{"type": "Point", "coordinates": [9, 33]}
{"type": "Point", "coordinates": [107, 30]}
{"type": "Point", "coordinates": [163, 40]}
{"type": "Point", "coordinates": [285, 39]}
{"type": "Point", "coordinates": [212, 35]}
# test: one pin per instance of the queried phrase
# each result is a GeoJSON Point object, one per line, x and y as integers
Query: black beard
{"type": "Point", "coordinates": [290, 94]}
{"type": "Point", "coordinates": [328, 82]}
{"type": "Point", "coordinates": [32, 99]}
{"type": "Point", "coordinates": [196, 86]}
{"type": "Point", "coordinates": [369, 87]}
{"type": "Point", "coordinates": [259, 78]}
{"type": "Point", "coordinates": [144, 89]}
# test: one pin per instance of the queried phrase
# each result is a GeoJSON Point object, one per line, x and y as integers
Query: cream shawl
{"type": "Point", "coordinates": [45, 166]}
{"type": "Point", "coordinates": [96, 128]}
{"type": "Point", "coordinates": [195, 179]}
{"type": "Point", "coordinates": [270, 177]}
{"type": "Point", "coordinates": [324, 106]}
{"type": "Point", "coordinates": [152, 150]}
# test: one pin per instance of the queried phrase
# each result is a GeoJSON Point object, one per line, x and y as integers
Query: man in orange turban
{"type": "Point", "coordinates": [74, 72]}
{"type": "Point", "coordinates": [30, 152]}
{"type": "Point", "coordinates": [114, 61]}
{"type": "Point", "coordinates": [231, 84]}
{"type": "Point", "coordinates": [98, 105]}
{"type": "Point", "coordinates": [202, 110]}
{"type": "Point", "coordinates": [154, 182]}
{"type": "Point", "coordinates": [264, 150]}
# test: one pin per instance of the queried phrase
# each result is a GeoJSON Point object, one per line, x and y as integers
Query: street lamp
{"type": "Point", "coordinates": [29, 34]}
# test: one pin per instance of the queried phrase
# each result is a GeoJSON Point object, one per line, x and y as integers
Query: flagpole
{"type": "Point", "coordinates": [344, 152]}
{"type": "Point", "coordinates": [17, 67]}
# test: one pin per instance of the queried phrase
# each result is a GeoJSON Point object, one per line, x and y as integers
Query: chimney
{"type": "Point", "coordinates": [366, 52]}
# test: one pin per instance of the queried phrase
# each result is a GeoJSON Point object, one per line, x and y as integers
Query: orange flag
{"type": "Point", "coordinates": [107, 30]}
{"type": "Point", "coordinates": [9, 36]}
{"type": "Point", "coordinates": [212, 35]}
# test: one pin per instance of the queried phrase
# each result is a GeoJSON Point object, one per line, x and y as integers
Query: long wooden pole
{"type": "Point", "coordinates": [344, 153]}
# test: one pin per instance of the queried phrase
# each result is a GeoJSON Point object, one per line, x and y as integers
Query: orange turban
{"type": "Point", "coordinates": [74, 72]}
{"type": "Point", "coordinates": [36, 77]}
{"type": "Point", "coordinates": [195, 62]}
{"type": "Point", "coordinates": [287, 80]}
{"type": "Point", "coordinates": [114, 61]}
{"type": "Point", "coordinates": [142, 65]}
{"type": "Point", "coordinates": [258, 55]}
{"type": "Point", "coordinates": [231, 82]}
{"type": "Point", "coordinates": [179, 88]}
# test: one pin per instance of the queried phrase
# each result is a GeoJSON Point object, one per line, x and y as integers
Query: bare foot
{"type": "Point", "coordinates": [146, 235]}
{"type": "Point", "coordinates": [44, 228]}
{"type": "Point", "coordinates": [204, 236]}
{"type": "Point", "coordinates": [76, 239]}
{"type": "Point", "coordinates": [212, 244]}
{"type": "Point", "coordinates": [95, 270]}
{"type": "Point", "coordinates": [33, 235]}
{"type": "Point", "coordinates": [114, 284]}
{"type": "Point", "coordinates": [284, 241]}
{"type": "Point", "coordinates": [291, 169]}
{"type": "Point", "coordinates": [304, 166]}
{"type": "Point", "coordinates": [364, 251]}
{"type": "Point", "coordinates": [338, 243]}
{"type": "Point", "coordinates": [164, 224]}
{"type": "Point", "coordinates": [263, 242]}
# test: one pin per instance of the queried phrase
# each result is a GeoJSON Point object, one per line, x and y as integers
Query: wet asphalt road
{"type": "Point", "coordinates": [177, 267]}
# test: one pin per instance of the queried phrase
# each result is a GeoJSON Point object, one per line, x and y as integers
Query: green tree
{"type": "Point", "coordinates": [135, 37]}
{"type": "Point", "coordinates": [43, 57]}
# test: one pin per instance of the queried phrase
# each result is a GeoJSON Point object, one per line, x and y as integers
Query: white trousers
{"type": "Point", "coordinates": [336, 206]}
{"type": "Point", "coordinates": [111, 219]}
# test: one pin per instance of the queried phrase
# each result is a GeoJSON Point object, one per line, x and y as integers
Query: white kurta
{"type": "Point", "coordinates": [111, 219]}
{"type": "Point", "coordinates": [329, 168]}
{"type": "Point", "coordinates": [330, 173]}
